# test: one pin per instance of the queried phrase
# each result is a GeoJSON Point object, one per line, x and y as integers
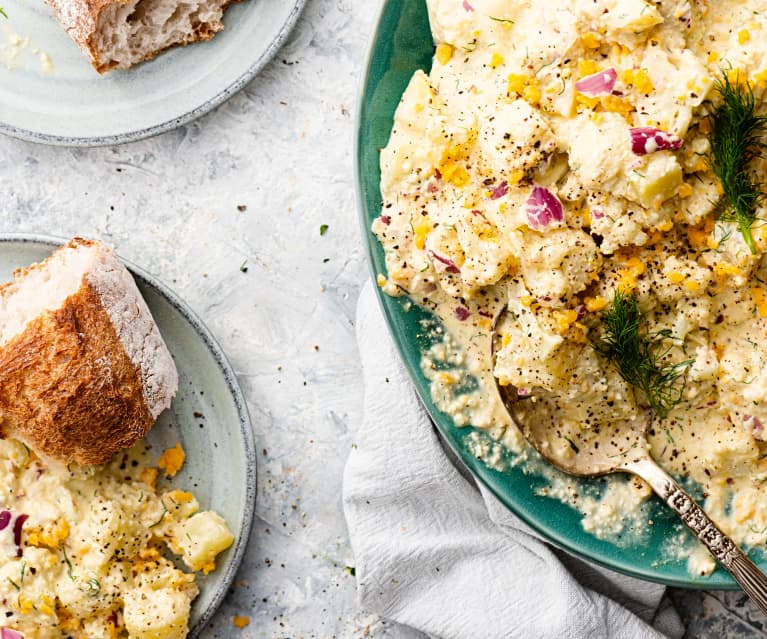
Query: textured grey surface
{"type": "Point", "coordinates": [227, 211]}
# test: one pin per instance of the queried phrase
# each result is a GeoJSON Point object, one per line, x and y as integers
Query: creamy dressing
{"type": "Point", "coordinates": [508, 180]}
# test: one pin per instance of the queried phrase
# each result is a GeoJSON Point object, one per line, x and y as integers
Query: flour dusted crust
{"type": "Point", "coordinates": [119, 34]}
{"type": "Point", "coordinates": [89, 377]}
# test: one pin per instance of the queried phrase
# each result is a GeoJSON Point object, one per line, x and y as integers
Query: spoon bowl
{"type": "Point", "coordinates": [619, 446]}
{"type": "Point", "coordinates": [584, 452]}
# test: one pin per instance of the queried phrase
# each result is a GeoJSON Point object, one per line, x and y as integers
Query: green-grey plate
{"type": "Point", "coordinates": [400, 45]}
{"type": "Point", "coordinates": [208, 416]}
{"type": "Point", "coordinates": [72, 105]}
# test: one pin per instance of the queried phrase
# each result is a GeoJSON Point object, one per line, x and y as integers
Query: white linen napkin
{"type": "Point", "coordinates": [438, 555]}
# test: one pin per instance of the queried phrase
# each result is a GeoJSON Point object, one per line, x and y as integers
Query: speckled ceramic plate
{"type": "Point", "coordinates": [220, 465]}
{"type": "Point", "coordinates": [72, 105]}
{"type": "Point", "coordinates": [401, 44]}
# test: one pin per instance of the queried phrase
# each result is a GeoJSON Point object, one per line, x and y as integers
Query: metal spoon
{"type": "Point", "coordinates": [622, 447]}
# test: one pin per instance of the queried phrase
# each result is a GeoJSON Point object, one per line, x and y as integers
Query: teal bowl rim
{"type": "Point", "coordinates": [719, 580]}
{"type": "Point", "coordinates": [173, 123]}
{"type": "Point", "coordinates": [246, 430]}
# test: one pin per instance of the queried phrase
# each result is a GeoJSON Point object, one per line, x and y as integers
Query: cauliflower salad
{"type": "Point", "coordinates": [594, 166]}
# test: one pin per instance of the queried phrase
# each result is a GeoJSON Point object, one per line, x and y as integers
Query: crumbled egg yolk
{"type": "Point", "coordinates": [760, 300]}
{"type": "Point", "coordinates": [444, 53]}
{"type": "Point", "coordinates": [240, 622]}
{"type": "Point", "coordinates": [172, 460]}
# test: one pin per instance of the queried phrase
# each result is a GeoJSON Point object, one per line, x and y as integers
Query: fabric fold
{"type": "Point", "coordinates": [436, 553]}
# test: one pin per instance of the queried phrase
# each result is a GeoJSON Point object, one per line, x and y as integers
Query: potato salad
{"type": "Point", "coordinates": [595, 166]}
{"type": "Point", "coordinates": [83, 549]}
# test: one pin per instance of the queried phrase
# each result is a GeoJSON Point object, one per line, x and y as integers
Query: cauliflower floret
{"type": "Point", "coordinates": [617, 227]}
{"type": "Point", "coordinates": [558, 264]}
{"type": "Point", "coordinates": [458, 27]}
{"type": "Point", "coordinates": [488, 254]}
{"type": "Point", "coordinates": [423, 137]}
{"type": "Point", "coordinates": [702, 201]}
{"type": "Point", "coordinates": [110, 530]}
{"type": "Point", "coordinates": [534, 354]}
{"type": "Point", "coordinates": [629, 18]}
{"type": "Point", "coordinates": [743, 367]}
{"type": "Point", "coordinates": [680, 278]}
{"type": "Point", "coordinates": [681, 83]}
{"type": "Point", "coordinates": [516, 138]}
{"type": "Point", "coordinates": [599, 151]}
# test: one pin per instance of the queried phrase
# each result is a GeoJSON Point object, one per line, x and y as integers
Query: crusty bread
{"type": "Point", "coordinates": [84, 371]}
{"type": "Point", "coordinates": [116, 34]}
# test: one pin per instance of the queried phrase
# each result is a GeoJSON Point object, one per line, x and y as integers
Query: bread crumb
{"type": "Point", "coordinates": [172, 460]}
{"type": "Point", "coordinates": [241, 622]}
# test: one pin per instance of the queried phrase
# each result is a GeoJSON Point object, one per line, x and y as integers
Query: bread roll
{"type": "Point", "coordinates": [118, 34]}
{"type": "Point", "coordinates": [84, 371]}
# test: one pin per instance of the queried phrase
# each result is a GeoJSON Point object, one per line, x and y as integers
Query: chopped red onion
{"type": "Point", "coordinates": [7, 633]}
{"type": "Point", "coordinates": [462, 313]}
{"type": "Point", "coordinates": [5, 519]}
{"type": "Point", "coordinates": [755, 425]}
{"type": "Point", "coordinates": [448, 264]}
{"type": "Point", "coordinates": [477, 213]}
{"type": "Point", "coordinates": [543, 208]}
{"type": "Point", "coordinates": [597, 214]}
{"type": "Point", "coordinates": [485, 314]}
{"type": "Point", "coordinates": [17, 526]}
{"type": "Point", "coordinates": [500, 190]}
{"type": "Point", "coordinates": [647, 139]}
{"type": "Point", "coordinates": [600, 83]}
{"type": "Point", "coordinates": [437, 174]}
{"type": "Point", "coordinates": [467, 6]}
{"type": "Point", "coordinates": [386, 219]}
{"type": "Point", "coordinates": [524, 392]}
{"type": "Point", "coordinates": [581, 310]}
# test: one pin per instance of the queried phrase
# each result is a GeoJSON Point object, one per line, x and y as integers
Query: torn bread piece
{"type": "Point", "coordinates": [84, 371]}
{"type": "Point", "coordinates": [118, 34]}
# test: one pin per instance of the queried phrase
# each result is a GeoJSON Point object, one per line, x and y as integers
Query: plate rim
{"type": "Point", "coordinates": [230, 378]}
{"type": "Point", "coordinates": [253, 70]}
{"type": "Point", "coordinates": [718, 580]}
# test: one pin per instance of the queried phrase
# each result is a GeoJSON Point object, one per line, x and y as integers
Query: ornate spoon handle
{"type": "Point", "coordinates": [733, 559]}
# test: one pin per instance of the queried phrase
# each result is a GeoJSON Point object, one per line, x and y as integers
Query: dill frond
{"type": "Point", "coordinates": [735, 142]}
{"type": "Point", "coordinates": [638, 354]}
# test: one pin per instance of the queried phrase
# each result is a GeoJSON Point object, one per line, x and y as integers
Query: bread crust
{"type": "Point", "coordinates": [88, 378]}
{"type": "Point", "coordinates": [80, 19]}
{"type": "Point", "coordinates": [67, 387]}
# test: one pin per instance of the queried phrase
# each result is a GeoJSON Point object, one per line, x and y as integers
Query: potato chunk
{"type": "Point", "coordinates": [200, 538]}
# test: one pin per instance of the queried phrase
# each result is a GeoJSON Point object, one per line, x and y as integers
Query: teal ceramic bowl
{"type": "Point", "coordinates": [400, 45]}
{"type": "Point", "coordinates": [208, 416]}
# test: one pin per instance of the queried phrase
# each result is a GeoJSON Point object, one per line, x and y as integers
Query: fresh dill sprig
{"type": "Point", "coordinates": [638, 354]}
{"type": "Point", "coordinates": [3, 13]}
{"type": "Point", "coordinates": [735, 142]}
